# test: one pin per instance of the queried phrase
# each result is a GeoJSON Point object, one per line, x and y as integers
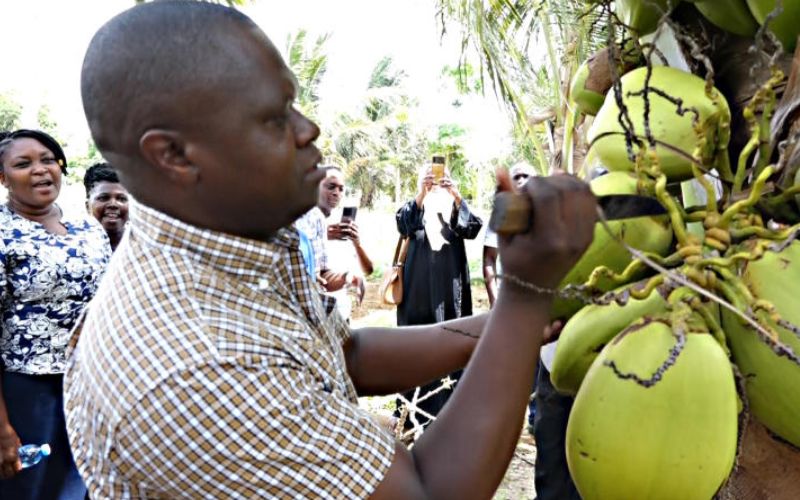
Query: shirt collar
{"type": "Point", "coordinates": [215, 248]}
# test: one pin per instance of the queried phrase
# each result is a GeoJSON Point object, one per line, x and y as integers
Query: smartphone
{"type": "Point", "coordinates": [437, 168]}
{"type": "Point", "coordinates": [349, 214]}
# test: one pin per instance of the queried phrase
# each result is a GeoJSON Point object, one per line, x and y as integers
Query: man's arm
{"type": "Point", "coordinates": [465, 452]}
{"type": "Point", "coordinates": [389, 360]}
{"type": "Point", "coordinates": [333, 281]}
{"type": "Point", "coordinates": [490, 272]}
{"type": "Point", "coordinates": [363, 259]}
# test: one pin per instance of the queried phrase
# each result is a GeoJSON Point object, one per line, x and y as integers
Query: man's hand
{"type": "Point", "coordinates": [552, 332]}
{"type": "Point", "coordinates": [336, 232]}
{"type": "Point", "coordinates": [344, 231]}
{"type": "Point", "coordinates": [9, 452]}
{"type": "Point", "coordinates": [350, 230]}
{"type": "Point", "coordinates": [357, 282]}
{"type": "Point", "coordinates": [564, 214]}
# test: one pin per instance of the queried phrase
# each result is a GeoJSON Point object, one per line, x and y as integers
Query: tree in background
{"type": "Point", "coordinates": [379, 147]}
{"type": "Point", "coordinates": [10, 112]}
{"type": "Point", "coordinates": [498, 37]}
{"type": "Point", "coordinates": [79, 164]}
{"type": "Point", "coordinates": [46, 123]}
{"type": "Point", "coordinates": [308, 63]}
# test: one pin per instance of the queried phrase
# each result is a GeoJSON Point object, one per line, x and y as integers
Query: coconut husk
{"type": "Point", "coordinates": [738, 69]}
{"type": "Point", "coordinates": [785, 125]}
{"type": "Point", "coordinates": [769, 469]}
{"type": "Point", "coordinates": [786, 120]}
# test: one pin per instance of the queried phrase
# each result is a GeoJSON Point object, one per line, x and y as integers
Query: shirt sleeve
{"type": "Point", "coordinates": [409, 218]}
{"type": "Point", "coordinates": [322, 238]}
{"type": "Point", "coordinates": [463, 222]}
{"type": "Point", "coordinates": [490, 238]}
{"type": "Point", "coordinates": [227, 431]}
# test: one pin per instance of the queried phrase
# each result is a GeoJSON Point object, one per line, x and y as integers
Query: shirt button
{"type": "Point", "coordinates": [263, 284]}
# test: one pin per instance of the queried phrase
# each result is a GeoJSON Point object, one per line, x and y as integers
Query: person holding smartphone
{"type": "Point", "coordinates": [346, 262]}
{"type": "Point", "coordinates": [436, 283]}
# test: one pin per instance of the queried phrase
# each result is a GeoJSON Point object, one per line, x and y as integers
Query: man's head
{"type": "Point", "coordinates": [520, 173]}
{"type": "Point", "coordinates": [331, 190]}
{"type": "Point", "coordinates": [204, 129]}
{"type": "Point", "coordinates": [106, 198]}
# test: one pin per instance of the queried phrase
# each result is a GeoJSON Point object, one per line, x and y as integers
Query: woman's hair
{"type": "Point", "coordinates": [8, 138]}
{"type": "Point", "coordinates": [99, 172]}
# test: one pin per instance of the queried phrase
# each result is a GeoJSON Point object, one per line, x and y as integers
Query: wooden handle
{"type": "Point", "coordinates": [512, 214]}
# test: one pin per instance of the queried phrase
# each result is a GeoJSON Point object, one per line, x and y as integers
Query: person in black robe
{"type": "Point", "coordinates": [436, 283]}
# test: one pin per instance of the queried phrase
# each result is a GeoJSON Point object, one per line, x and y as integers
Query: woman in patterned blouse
{"type": "Point", "coordinates": [50, 266]}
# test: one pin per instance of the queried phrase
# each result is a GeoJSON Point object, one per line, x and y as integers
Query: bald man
{"type": "Point", "coordinates": [208, 366]}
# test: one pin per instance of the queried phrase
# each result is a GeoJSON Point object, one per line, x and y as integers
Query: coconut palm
{"type": "Point", "coordinates": [499, 36]}
{"type": "Point", "coordinates": [308, 62]}
{"type": "Point", "coordinates": [378, 147]}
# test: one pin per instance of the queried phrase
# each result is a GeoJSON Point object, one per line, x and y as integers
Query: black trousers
{"type": "Point", "coordinates": [553, 481]}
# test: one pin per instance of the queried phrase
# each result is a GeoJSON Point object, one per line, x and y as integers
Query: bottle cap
{"type": "Point", "coordinates": [45, 448]}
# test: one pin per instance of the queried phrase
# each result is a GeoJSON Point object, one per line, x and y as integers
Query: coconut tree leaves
{"type": "Point", "coordinates": [499, 37]}
{"type": "Point", "coordinates": [308, 62]}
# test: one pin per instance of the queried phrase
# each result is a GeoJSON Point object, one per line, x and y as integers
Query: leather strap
{"type": "Point", "coordinates": [400, 251]}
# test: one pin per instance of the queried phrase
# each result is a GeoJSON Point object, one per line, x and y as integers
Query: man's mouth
{"type": "Point", "coordinates": [43, 184]}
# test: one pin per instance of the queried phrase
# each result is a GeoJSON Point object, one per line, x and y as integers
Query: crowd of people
{"type": "Point", "coordinates": [212, 356]}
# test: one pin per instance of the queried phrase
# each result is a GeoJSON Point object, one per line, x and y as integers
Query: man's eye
{"type": "Point", "coordinates": [48, 161]}
{"type": "Point", "coordinates": [279, 121]}
{"type": "Point", "coordinates": [22, 164]}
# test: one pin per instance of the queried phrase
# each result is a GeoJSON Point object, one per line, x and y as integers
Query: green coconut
{"type": "Point", "coordinates": [772, 381]}
{"type": "Point", "coordinates": [594, 77]}
{"type": "Point", "coordinates": [642, 16]}
{"type": "Point", "coordinates": [588, 331]}
{"type": "Point", "coordinates": [785, 26]}
{"type": "Point", "coordinates": [671, 123]}
{"type": "Point", "coordinates": [731, 15]}
{"type": "Point", "coordinates": [675, 439]}
{"type": "Point", "coordinates": [648, 234]}
{"type": "Point", "coordinates": [585, 98]}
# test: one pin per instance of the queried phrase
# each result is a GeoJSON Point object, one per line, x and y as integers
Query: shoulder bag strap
{"type": "Point", "coordinates": [401, 260]}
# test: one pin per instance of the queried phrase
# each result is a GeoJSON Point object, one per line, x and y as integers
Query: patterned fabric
{"type": "Point", "coordinates": [46, 280]}
{"type": "Point", "coordinates": [209, 367]}
{"type": "Point", "coordinates": [312, 224]}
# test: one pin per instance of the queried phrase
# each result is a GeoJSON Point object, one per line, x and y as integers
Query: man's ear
{"type": "Point", "coordinates": [166, 150]}
{"type": "Point", "coordinates": [3, 178]}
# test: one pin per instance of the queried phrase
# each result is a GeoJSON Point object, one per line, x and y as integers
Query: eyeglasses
{"type": "Point", "coordinates": [519, 177]}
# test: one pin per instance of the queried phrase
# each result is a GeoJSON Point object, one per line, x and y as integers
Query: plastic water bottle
{"type": "Point", "coordinates": [32, 454]}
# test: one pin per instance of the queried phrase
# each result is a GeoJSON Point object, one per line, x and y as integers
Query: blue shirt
{"type": "Point", "coordinates": [46, 280]}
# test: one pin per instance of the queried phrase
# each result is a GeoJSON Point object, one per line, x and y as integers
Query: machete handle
{"type": "Point", "coordinates": [512, 214]}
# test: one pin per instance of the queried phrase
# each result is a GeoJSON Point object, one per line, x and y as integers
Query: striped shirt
{"type": "Point", "coordinates": [312, 224]}
{"type": "Point", "coordinates": [209, 367]}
